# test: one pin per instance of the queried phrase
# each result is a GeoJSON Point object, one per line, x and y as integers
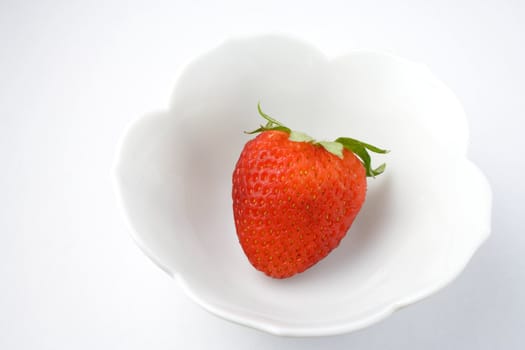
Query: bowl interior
{"type": "Point", "coordinates": [418, 227]}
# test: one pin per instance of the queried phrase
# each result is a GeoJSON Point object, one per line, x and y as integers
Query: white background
{"type": "Point", "coordinates": [74, 74]}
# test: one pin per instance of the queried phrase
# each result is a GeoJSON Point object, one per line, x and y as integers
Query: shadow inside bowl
{"type": "Point", "coordinates": [368, 230]}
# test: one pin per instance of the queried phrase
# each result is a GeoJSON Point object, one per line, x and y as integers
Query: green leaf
{"type": "Point", "coordinates": [265, 128]}
{"type": "Point", "coordinates": [272, 124]}
{"type": "Point", "coordinates": [361, 149]}
{"type": "Point", "coordinates": [366, 145]}
{"type": "Point", "coordinates": [335, 148]}
{"type": "Point", "coordinates": [379, 170]}
{"type": "Point", "coordinates": [300, 137]}
{"type": "Point", "coordinates": [266, 116]}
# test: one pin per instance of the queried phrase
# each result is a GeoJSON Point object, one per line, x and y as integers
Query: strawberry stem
{"type": "Point", "coordinates": [359, 148]}
{"type": "Point", "coordinates": [271, 124]}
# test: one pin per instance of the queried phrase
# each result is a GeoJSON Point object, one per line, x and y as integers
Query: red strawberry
{"type": "Point", "coordinates": [294, 198]}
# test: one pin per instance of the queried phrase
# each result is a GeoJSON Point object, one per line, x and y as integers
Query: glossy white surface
{"type": "Point", "coordinates": [74, 74]}
{"type": "Point", "coordinates": [421, 222]}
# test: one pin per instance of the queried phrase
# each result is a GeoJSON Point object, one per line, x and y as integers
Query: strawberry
{"type": "Point", "coordinates": [295, 198]}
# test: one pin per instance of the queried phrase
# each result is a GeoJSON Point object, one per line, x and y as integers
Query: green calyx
{"type": "Point", "coordinates": [271, 124]}
{"type": "Point", "coordinates": [359, 148]}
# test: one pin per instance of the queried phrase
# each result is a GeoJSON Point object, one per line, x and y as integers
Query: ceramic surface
{"type": "Point", "coordinates": [422, 221]}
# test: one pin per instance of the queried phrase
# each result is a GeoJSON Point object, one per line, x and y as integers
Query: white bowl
{"type": "Point", "coordinates": [422, 220]}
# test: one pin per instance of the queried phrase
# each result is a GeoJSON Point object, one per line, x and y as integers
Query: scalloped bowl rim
{"type": "Point", "coordinates": [263, 324]}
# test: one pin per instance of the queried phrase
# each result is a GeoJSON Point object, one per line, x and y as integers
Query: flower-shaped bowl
{"type": "Point", "coordinates": [422, 221]}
